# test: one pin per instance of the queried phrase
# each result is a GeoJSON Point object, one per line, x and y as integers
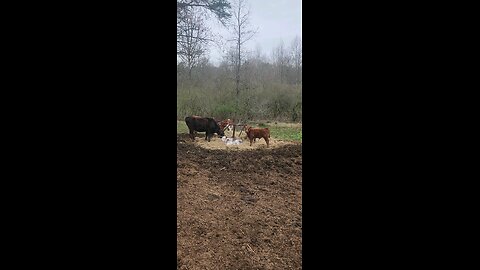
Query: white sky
{"type": "Point", "coordinates": [276, 20]}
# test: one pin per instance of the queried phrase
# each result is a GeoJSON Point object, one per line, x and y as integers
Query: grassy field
{"type": "Point", "coordinates": [280, 131]}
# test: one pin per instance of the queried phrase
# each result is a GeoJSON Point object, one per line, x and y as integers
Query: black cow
{"type": "Point", "coordinates": [203, 124]}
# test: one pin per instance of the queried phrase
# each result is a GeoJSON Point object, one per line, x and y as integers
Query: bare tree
{"type": "Point", "coordinates": [296, 51]}
{"type": "Point", "coordinates": [185, 9]}
{"type": "Point", "coordinates": [192, 43]}
{"type": "Point", "coordinates": [281, 59]}
{"type": "Point", "coordinates": [231, 59]}
{"type": "Point", "coordinates": [241, 34]}
{"type": "Point", "coordinates": [258, 55]}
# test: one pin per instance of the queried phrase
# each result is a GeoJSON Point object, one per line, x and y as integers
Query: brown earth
{"type": "Point", "coordinates": [239, 209]}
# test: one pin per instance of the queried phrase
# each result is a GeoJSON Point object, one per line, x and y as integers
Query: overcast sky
{"type": "Point", "coordinates": [276, 20]}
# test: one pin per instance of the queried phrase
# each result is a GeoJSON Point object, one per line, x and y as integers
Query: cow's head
{"type": "Point", "coordinates": [219, 131]}
{"type": "Point", "coordinates": [226, 124]}
{"type": "Point", "coordinates": [246, 129]}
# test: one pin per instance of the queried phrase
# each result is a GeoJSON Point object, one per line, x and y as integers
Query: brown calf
{"type": "Point", "coordinates": [227, 123]}
{"type": "Point", "coordinates": [253, 133]}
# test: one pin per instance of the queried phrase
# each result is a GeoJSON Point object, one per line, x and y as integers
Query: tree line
{"type": "Point", "coordinates": [246, 85]}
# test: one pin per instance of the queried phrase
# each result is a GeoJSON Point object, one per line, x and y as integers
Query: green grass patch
{"type": "Point", "coordinates": [286, 133]}
{"type": "Point", "coordinates": [182, 127]}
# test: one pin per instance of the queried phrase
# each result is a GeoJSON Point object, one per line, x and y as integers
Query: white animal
{"type": "Point", "coordinates": [231, 141]}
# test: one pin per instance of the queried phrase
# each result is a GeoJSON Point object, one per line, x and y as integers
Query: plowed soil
{"type": "Point", "coordinates": [239, 209]}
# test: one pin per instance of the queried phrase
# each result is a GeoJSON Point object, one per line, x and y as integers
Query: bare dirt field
{"type": "Point", "coordinates": [239, 209]}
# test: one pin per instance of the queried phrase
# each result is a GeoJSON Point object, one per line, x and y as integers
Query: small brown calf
{"type": "Point", "coordinates": [253, 133]}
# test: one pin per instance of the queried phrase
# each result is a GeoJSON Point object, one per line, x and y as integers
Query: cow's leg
{"type": "Point", "coordinates": [192, 136]}
{"type": "Point", "coordinates": [206, 136]}
{"type": "Point", "coordinates": [251, 142]}
{"type": "Point", "coordinates": [266, 139]}
{"type": "Point", "coordinates": [209, 136]}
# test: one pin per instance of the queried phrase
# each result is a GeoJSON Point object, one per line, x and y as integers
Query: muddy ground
{"type": "Point", "coordinates": [239, 209]}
